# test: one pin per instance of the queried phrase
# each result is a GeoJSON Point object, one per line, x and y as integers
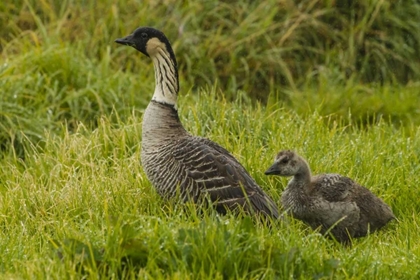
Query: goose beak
{"type": "Point", "coordinates": [272, 170]}
{"type": "Point", "coordinates": [128, 41]}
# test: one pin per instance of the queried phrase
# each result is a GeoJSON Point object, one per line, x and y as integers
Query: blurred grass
{"type": "Point", "coordinates": [253, 46]}
{"type": "Point", "coordinates": [60, 63]}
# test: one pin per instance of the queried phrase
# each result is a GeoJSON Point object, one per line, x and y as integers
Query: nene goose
{"type": "Point", "coordinates": [177, 163]}
{"type": "Point", "coordinates": [330, 202]}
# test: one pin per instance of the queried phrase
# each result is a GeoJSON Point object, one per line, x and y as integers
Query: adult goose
{"type": "Point", "coordinates": [330, 202]}
{"type": "Point", "coordinates": [182, 165]}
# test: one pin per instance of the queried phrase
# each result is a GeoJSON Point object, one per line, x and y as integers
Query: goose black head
{"type": "Point", "coordinates": [148, 41]}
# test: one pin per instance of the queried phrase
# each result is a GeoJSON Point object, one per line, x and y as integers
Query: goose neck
{"type": "Point", "coordinates": [166, 78]}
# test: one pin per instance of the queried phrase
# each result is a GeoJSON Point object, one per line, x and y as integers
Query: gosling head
{"type": "Point", "coordinates": [286, 163]}
{"type": "Point", "coordinates": [148, 41]}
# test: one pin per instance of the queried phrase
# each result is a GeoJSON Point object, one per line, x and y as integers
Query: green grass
{"type": "Point", "coordinates": [252, 46]}
{"type": "Point", "coordinates": [84, 197]}
{"type": "Point", "coordinates": [256, 78]}
{"type": "Point", "coordinates": [316, 55]}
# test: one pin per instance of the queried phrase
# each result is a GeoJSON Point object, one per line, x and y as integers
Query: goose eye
{"type": "Point", "coordinates": [144, 35]}
{"type": "Point", "coordinates": [285, 160]}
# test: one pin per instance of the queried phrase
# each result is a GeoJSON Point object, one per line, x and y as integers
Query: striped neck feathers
{"type": "Point", "coordinates": [166, 73]}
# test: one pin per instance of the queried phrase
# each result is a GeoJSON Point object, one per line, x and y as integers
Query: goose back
{"type": "Point", "coordinates": [196, 168]}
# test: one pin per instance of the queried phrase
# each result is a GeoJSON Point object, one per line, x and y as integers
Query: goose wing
{"type": "Point", "coordinates": [214, 171]}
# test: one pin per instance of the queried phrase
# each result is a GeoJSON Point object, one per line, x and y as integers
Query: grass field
{"type": "Point", "coordinates": [86, 192]}
{"type": "Point", "coordinates": [75, 202]}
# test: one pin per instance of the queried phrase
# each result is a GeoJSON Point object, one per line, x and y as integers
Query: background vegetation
{"type": "Point", "coordinates": [329, 56]}
{"type": "Point", "coordinates": [336, 80]}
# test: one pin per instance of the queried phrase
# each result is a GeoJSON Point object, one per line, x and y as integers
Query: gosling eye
{"type": "Point", "coordinates": [284, 161]}
{"type": "Point", "coordinates": [144, 35]}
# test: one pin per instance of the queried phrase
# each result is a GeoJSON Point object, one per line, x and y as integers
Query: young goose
{"type": "Point", "coordinates": [329, 201]}
{"type": "Point", "coordinates": [178, 163]}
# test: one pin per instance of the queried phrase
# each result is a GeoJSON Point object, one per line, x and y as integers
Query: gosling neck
{"type": "Point", "coordinates": [303, 175]}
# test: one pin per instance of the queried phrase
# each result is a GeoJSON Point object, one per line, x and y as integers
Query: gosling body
{"type": "Point", "coordinates": [331, 202]}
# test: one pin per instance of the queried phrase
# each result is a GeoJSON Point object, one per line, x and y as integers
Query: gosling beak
{"type": "Point", "coordinates": [272, 170]}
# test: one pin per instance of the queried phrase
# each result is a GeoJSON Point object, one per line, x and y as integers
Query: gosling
{"type": "Point", "coordinates": [334, 203]}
